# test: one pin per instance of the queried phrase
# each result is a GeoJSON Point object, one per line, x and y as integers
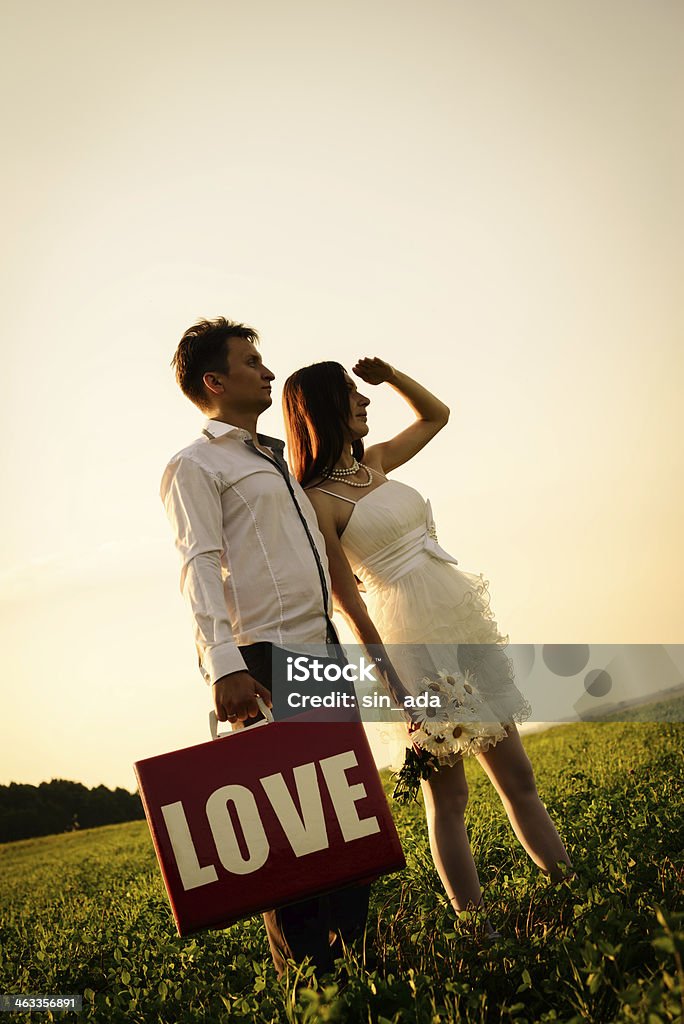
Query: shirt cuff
{"type": "Point", "coordinates": [221, 661]}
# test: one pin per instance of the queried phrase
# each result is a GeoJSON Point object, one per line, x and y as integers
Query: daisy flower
{"type": "Point", "coordinates": [427, 715]}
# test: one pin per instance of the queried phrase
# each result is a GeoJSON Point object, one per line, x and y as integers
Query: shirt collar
{"type": "Point", "coordinates": [214, 429]}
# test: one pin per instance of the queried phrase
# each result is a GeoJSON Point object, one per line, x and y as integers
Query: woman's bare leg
{"type": "Point", "coordinates": [511, 773]}
{"type": "Point", "coordinates": [446, 795]}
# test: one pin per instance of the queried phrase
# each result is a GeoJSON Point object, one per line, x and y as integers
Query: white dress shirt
{"type": "Point", "coordinates": [248, 570]}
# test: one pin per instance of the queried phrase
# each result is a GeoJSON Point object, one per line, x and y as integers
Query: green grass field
{"type": "Point", "coordinates": [86, 913]}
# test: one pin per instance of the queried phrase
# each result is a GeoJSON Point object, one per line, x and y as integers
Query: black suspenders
{"type": "Point", "coordinates": [331, 633]}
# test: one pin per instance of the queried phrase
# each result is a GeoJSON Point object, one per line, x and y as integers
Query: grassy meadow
{"type": "Point", "coordinates": [86, 913]}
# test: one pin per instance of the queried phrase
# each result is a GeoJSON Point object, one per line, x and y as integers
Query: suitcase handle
{"type": "Point", "coordinates": [213, 721]}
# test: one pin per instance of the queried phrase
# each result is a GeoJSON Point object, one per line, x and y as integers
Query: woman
{"type": "Point", "coordinates": [380, 532]}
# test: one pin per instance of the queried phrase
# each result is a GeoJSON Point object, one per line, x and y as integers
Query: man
{"type": "Point", "coordinates": [254, 572]}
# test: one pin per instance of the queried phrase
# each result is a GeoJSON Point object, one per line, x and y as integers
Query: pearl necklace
{"type": "Point", "coordinates": [343, 474]}
{"type": "Point", "coordinates": [338, 474]}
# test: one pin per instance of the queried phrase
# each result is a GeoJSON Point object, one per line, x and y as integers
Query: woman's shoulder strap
{"type": "Point", "coordinates": [332, 493]}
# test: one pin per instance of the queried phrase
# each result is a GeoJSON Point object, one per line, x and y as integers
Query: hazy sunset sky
{"type": "Point", "coordinates": [488, 195]}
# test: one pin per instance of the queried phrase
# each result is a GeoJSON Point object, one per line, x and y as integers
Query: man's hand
{"type": "Point", "coordinates": [235, 697]}
{"type": "Point", "coordinates": [374, 371]}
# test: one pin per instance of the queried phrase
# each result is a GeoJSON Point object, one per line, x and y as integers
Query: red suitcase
{"type": "Point", "coordinates": [266, 816]}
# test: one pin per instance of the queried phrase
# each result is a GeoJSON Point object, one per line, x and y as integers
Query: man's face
{"type": "Point", "coordinates": [247, 385]}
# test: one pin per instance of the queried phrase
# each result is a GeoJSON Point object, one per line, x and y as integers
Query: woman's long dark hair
{"type": "Point", "coordinates": [316, 407]}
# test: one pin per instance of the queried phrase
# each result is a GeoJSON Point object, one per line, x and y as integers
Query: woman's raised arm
{"type": "Point", "coordinates": [431, 413]}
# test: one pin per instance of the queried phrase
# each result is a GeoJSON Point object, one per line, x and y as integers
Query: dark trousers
{"type": "Point", "coordinates": [311, 927]}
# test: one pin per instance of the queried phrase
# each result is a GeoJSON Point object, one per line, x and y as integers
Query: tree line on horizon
{"type": "Point", "coordinates": [62, 806]}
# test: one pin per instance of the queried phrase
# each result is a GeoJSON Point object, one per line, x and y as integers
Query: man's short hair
{"type": "Point", "coordinates": [204, 349]}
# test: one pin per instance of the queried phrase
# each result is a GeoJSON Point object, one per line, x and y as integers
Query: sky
{"type": "Point", "coordinates": [486, 195]}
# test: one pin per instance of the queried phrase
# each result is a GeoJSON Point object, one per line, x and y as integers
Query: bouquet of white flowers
{"type": "Point", "coordinates": [448, 718]}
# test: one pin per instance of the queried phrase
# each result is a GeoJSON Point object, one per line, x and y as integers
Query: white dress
{"type": "Point", "coordinates": [434, 620]}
